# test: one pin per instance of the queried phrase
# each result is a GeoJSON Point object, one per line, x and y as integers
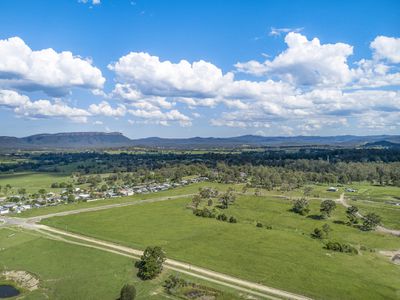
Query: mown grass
{"type": "Point", "coordinates": [69, 271]}
{"type": "Point", "coordinates": [284, 257]}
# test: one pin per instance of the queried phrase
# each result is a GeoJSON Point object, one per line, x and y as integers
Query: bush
{"type": "Point", "coordinates": [232, 220]}
{"type": "Point", "coordinates": [128, 292]}
{"type": "Point", "coordinates": [318, 234]}
{"type": "Point", "coordinates": [259, 225]}
{"type": "Point", "coordinates": [222, 217]}
{"type": "Point", "coordinates": [321, 233]}
{"type": "Point", "coordinates": [173, 283]}
{"type": "Point", "coordinates": [205, 213]}
{"type": "Point", "coordinates": [341, 247]}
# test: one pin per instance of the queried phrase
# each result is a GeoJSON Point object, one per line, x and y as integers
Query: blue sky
{"type": "Point", "coordinates": [200, 68]}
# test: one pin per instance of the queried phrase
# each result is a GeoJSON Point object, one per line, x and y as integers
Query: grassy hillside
{"type": "Point", "coordinates": [284, 257]}
{"type": "Point", "coordinates": [69, 272]}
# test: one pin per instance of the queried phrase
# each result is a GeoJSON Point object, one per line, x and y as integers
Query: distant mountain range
{"type": "Point", "coordinates": [99, 140]}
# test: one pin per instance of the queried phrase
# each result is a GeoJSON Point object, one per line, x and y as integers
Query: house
{"type": "Point", "coordinates": [332, 189]}
{"type": "Point", "coordinates": [83, 196]}
{"type": "Point", "coordinates": [4, 211]}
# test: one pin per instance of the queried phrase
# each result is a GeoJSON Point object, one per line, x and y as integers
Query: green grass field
{"type": "Point", "coordinates": [69, 271]}
{"type": "Point", "coordinates": [285, 257]}
{"type": "Point", "coordinates": [32, 181]}
{"type": "Point", "coordinates": [375, 193]}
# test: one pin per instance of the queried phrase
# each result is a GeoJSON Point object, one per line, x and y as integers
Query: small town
{"type": "Point", "coordinates": [18, 203]}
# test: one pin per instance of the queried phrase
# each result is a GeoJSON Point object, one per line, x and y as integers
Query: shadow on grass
{"type": "Point", "coordinates": [315, 217]}
{"type": "Point", "coordinates": [340, 222]}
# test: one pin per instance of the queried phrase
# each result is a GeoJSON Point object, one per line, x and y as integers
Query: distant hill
{"type": "Point", "coordinates": [71, 140]}
{"type": "Point", "coordinates": [382, 144]}
{"type": "Point", "coordinates": [97, 140]}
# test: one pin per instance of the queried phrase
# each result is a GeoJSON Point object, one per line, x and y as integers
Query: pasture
{"type": "Point", "coordinates": [285, 256]}
{"type": "Point", "coordinates": [68, 271]}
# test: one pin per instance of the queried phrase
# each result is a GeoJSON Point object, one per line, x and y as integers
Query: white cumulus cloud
{"type": "Point", "coordinates": [23, 106]}
{"type": "Point", "coordinates": [386, 48]}
{"type": "Point", "coordinates": [53, 72]}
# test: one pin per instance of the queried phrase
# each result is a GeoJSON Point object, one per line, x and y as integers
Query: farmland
{"type": "Point", "coordinates": [67, 271]}
{"type": "Point", "coordinates": [283, 256]}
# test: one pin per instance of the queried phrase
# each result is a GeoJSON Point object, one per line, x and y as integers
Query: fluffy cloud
{"type": "Point", "coordinates": [386, 48]}
{"type": "Point", "coordinates": [150, 76]}
{"type": "Point", "coordinates": [306, 62]}
{"type": "Point", "coordinates": [104, 108]}
{"type": "Point", "coordinates": [53, 72]}
{"type": "Point", "coordinates": [308, 87]}
{"type": "Point", "coordinates": [23, 106]}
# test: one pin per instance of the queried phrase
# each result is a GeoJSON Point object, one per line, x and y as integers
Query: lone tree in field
{"type": "Point", "coordinates": [351, 213]}
{"type": "Point", "coordinates": [128, 292]}
{"type": "Point", "coordinates": [327, 207]}
{"type": "Point", "coordinates": [371, 221]}
{"type": "Point", "coordinates": [301, 206]}
{"type": "Point", "coordinates": [151, 263]}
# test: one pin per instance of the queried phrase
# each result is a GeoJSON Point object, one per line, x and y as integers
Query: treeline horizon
{"type": "Point", "coordinates": [268, 169]}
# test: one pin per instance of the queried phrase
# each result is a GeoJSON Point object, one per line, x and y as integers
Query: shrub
{"type": "Point", "coordinates": [318, 234]}
{"type": "Point", "coordinates": [222, 217]}
{"type": "Point", "coordinates": [321, 233]}
{"type": "Point", "coordinates": [205, 213]}
{"type": "Point", "coordinates": [341, 247]}
{"type": "Point", "coordinates": [128, 292]}
{"type": "Point", "coordinates": [259, 225]}
{"type": "Point", "coordinates": [172, 283]}
{"type": "Point", "coordinates": [232, 220]}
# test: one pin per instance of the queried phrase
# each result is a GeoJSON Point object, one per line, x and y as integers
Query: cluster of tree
{"type": "Point", "coordinates": [56, 185]}
{"type": "Point", "coordinates": [150, 263]}
{"type": "Point", "coordinates": [341, 247]}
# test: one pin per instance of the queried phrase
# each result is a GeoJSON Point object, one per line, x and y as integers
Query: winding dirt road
{"type": "Point", "coordinates": [342, 201]}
